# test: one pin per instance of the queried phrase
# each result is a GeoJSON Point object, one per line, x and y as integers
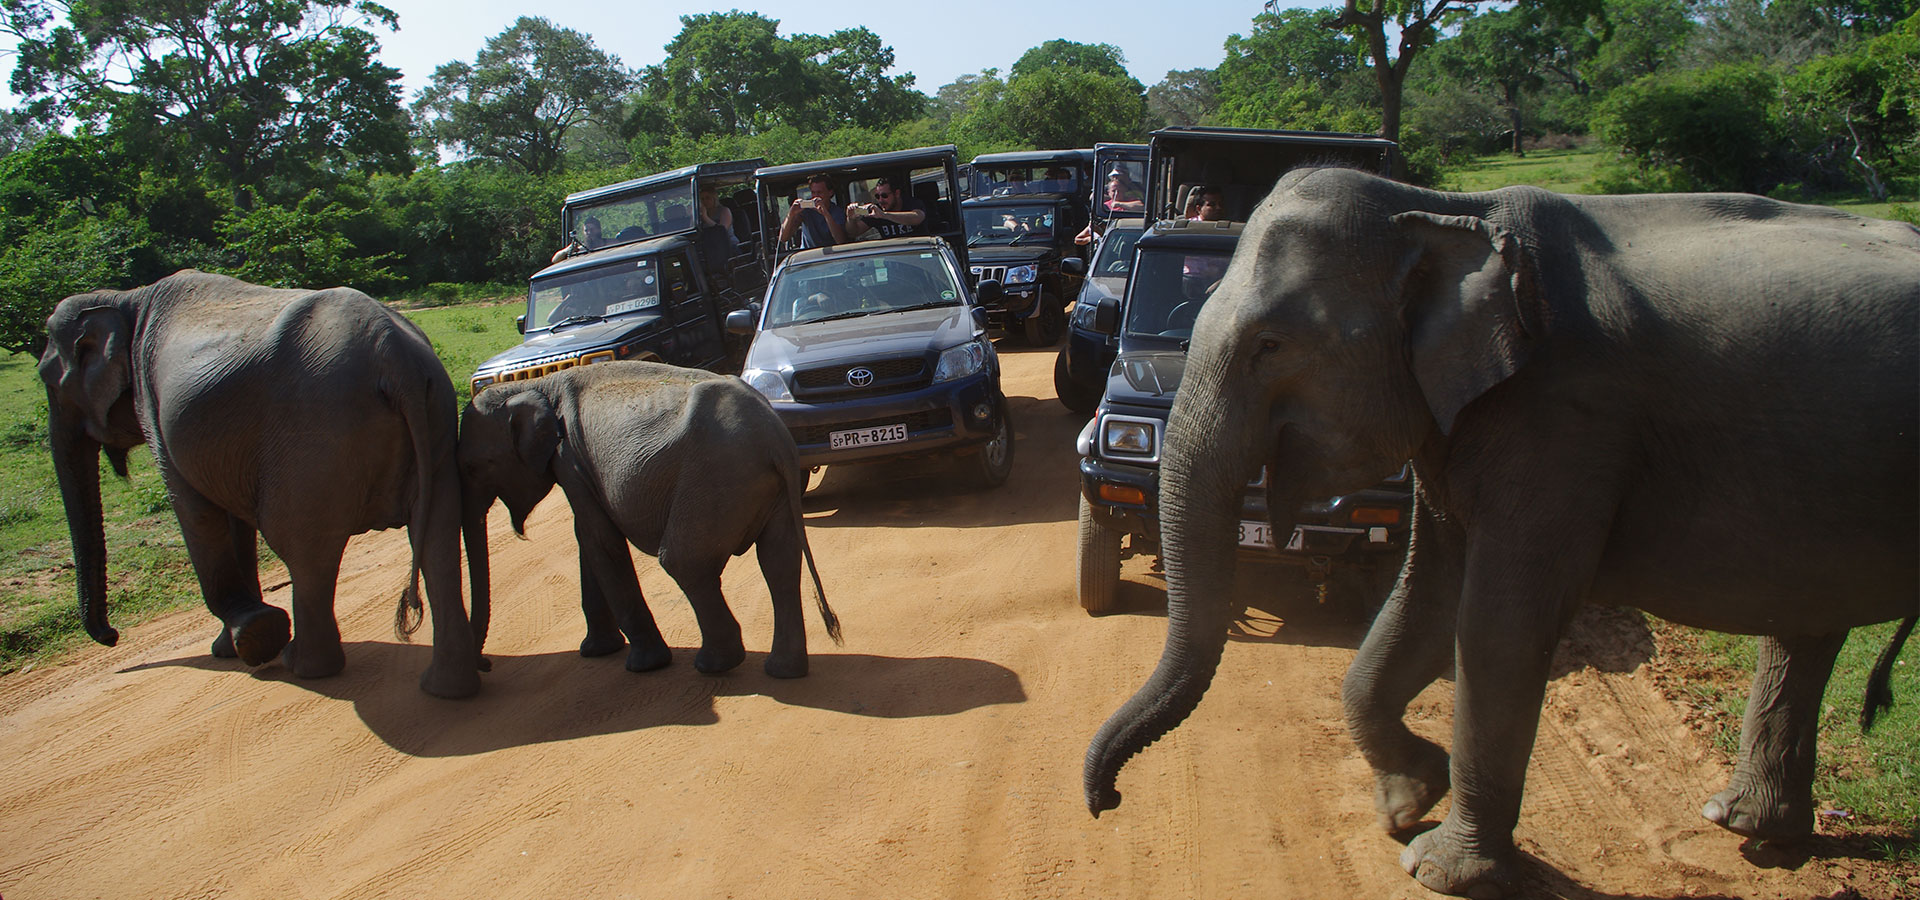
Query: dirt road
{"type": "Point", "coordinates": [936, 754]}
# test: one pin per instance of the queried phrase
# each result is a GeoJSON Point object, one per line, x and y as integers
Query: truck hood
{"type": "Point", "coordinates": [573, 339]}
{"type": "Point", "coordinates": [1146, 378]}
{"type": "Point", "coordinates": [874, 336]}
{"type": "Point", "coordinates": [1004, 255]}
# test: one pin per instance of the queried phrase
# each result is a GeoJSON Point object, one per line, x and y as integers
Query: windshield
{"type": "Point", "coordinates": [1121, 192]}
{"type": "Point", "coordinates": [629, 286]}
{"type": "Point", "coordinates": [1009, 224]}
{"type": "Point", "coordinates": [1116, 253]}
{"type": "Point", "coordinates": [1006, 181]}
{"type": "Point", "coordinates": [667, 209]}
{"type": "Point", "coordinates": [845, 288]}
{"type": "Point", "coordinates": [1168, 289]}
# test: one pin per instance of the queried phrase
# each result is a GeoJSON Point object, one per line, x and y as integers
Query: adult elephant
{"type": "Point", "coordinates": [298, 417]}
{"type": "Point", "coordinates": [1703, 406]}
{"type": "Point", "coordinates": [690, 466]}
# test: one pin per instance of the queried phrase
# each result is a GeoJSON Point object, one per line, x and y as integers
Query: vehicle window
{"type": "Point", "coordinates": [674, 275]}
{"type": "Point", "coordinates": [1116, 252]}
{"type": "Point", "coordinates": [667, 209]}
{"type": "Point", "coordinates": [1008, 224]}
{"type": "Point", "coordinates": [844, 288]}
{"type": "Point", "coordinates": [1168, 289]}
{"type": "Point", "coordinates": [1027, 178]}
{"type": "Point", "coordinates": [628, 287]}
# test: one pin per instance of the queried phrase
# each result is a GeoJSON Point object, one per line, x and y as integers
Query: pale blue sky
{"type": "Point", "coordinates": [936, 41]}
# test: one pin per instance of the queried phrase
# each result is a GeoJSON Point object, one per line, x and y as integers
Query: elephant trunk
{"type": "Point", "coordinates": [76, 462]}
{"type": "Point", "coordinates": [474, 504]}
{"type": "Point", "coordinates": [1205, 466]}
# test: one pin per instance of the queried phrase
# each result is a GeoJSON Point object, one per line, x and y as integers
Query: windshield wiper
{"type": "Point", "coordinates": [917, 306]}
{"type": "Point", "coordinates": [838, 316]}
{"type": "Point", "coordinates": [976, 239]}
{"type": "Point", "coordinates": [577, 320]}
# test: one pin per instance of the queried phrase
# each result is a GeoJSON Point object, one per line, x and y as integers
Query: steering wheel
{"type": "Point", "coordinates": [1182, 316]}
{"type": "Point", "coordinates": [809, 305]}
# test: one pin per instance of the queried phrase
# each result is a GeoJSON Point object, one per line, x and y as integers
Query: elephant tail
{"type": "Point", "coordinates": [796, 486]}
{"type": "Point", "coordinates": [416, 409]}
{"type": "Point", "coordinates": [1880, 683]}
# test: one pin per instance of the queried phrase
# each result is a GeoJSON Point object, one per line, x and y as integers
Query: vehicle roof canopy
{"type": "Point", "coordinates": [853, 166]}
{"type": "Point", "coordinates": [648, 182]}
{"type": "Point", "coordinates": [1245, 162]}
{"type": "Point", "coordinates": [616, 253]}
{"type": "Point", "coordinates": [1082, 157]}
{"type": "Point", "coordinates": [1189, 234]}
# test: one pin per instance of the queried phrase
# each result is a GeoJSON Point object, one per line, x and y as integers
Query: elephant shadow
{"type": "Point", "coordinates": [545, 697]}
{"type": "Point", "coordinates": [1276, 605]}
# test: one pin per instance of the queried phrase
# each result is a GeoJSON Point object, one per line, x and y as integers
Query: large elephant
{"type": "Point", "coordinates": [690, 466]}
{"type": "Point", "coordinates": [1703, 406]}
{"type": "Point", "coordinates": [298, 417]}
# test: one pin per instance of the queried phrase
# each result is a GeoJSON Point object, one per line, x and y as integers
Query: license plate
{"type": "Point", "coordinates": [1260, 534]}
{"type": "Point", "coordinates": [867, 437]}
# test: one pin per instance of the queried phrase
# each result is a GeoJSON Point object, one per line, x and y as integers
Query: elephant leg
{"type": "Point", "coordinates": [454, 670]}
{"type": "Point", "coordinates": [603, 630]}
{"type": "Point", "coordinates": [225, 561]}
{"type": "Point", "coordinates": [721, 648]}
{"type": "Point", "coordinates": [605, 559]}
{"type": "Point", "coordinates": [778, 549]}
{"type": "Point", "coordinates": [314, 568]}
{"type": "Point", "coordinates": [1517, 597]}
{"type": "Point", "coordinates": [1409, 646]}
{"type": "Point", "coordinates": [1771, 794]}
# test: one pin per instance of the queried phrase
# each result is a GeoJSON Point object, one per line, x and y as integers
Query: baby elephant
{"type": "Point", "coordinates": [690, 466]}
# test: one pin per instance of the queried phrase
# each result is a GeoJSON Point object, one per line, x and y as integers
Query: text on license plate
{"type": "Point", "coordinates": [1260, 534]}
{"type": "Point", "coordinates": [867, 437]}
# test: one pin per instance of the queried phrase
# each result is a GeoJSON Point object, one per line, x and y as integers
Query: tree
{"type": "Point", "coordinates": [1695, 130]}
{"type": "Point", "coordinates": [1061, 108]}
{"type": "Point", "coordinates": [530, 87]}
{"type": "Point", "coordinates": [1184, 97]}
{"type": "Point", "coordinates": [281, 88]}
{"type": "Point", "coordinates": [1059, 53]}
{"type": "Point", "coordinates": [849, 84]}
{"type": "Point", "coordinates": [1503, 50]}
{"type": "Point", "coordinates": [1290, 71]}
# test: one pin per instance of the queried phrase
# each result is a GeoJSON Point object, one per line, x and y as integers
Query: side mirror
{"type": "Point", "coordinates": [1073, 265]}
{"type": "Point", "coordinates": [740, 321]}
{"type": "Point", "coordinates": [989, 292]}
{"type": "Point", "coordinates": [980, 318]}
{"type": "Point", "coordinates": [1106, 315]}
{"type": "Point", "coordinates": [520, 323]}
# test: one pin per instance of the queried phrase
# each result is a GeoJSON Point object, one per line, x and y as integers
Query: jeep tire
{"type": "Point", "coordinates": [994, 460]}
{"type": "Point", "coordinates": [1048, 322]}
{"type": "Point", "coordinates": [1072, 395]}
{"type": "Point", "coordinates": [1098, 559]}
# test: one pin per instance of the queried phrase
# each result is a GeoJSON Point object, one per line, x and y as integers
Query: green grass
{"type": "Point", "coordinates": [1564, 171]}
{"type": "Point", "coordinates": [147, 567]}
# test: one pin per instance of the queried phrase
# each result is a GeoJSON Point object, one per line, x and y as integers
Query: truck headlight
{"type": "Point", "coordinates": [1137, 439]}
{"type": "Point", "coordinates": [960, 361]}
{"type": "Point", "coordinates": [1023, 275]}
{"type": "Point", "coordinates": [480, 383]}
{"type": "Point", "coordinates": [769, 384]}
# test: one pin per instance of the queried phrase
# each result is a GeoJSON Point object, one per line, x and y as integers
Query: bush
{"type": "Point", "coordinates": [48, 265]}
{"type": "Point", "coordinates": [1709, 129]}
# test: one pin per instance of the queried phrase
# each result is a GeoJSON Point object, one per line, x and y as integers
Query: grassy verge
{"type": "Point", "coordinates": [147, 567]}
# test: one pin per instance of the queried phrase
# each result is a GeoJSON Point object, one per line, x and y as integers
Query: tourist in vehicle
{"type": "Point", "coordinates": [713, 214]}
{"type": "Point", "coordinates": [589, 239]}
{"type": "Point", "coordinates": [1211, 205]}
{"type": "Point", "coordinates": [1122, 198]}
{"type": "Point", "coordinates": [894, 213]}
{"type": "Point", "coordinates": [817, 221]}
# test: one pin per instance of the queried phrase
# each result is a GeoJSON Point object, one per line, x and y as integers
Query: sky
{"type": "Point", "coordinates": [936, 41]}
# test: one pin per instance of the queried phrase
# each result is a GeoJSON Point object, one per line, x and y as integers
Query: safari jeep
{"type": "Point", "coordinates": [1024, 211]}
{"type": "Point", "coordinates": [640, 278]}
{"type": "Point", "coordinates": [1354, 542]}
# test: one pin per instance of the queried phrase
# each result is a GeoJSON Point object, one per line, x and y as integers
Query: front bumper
{"type": "Point", "coordinates": [940, 418]}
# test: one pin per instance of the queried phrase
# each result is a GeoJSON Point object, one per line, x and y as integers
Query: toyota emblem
{"type": "Point", "coordinates": [859, 376]}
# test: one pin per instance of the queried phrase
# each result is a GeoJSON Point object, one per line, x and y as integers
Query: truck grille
{"type": "Point", "coordinates": [885, 376]}
{"type": "Point", "coordinates": [997, 273]}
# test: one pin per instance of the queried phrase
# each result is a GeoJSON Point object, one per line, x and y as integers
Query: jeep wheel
{"type": "Point", "coordinates": [1047, 323]}
{"type": "Point", "coordinates": [995, 459]}
{"type": "Point", "coordinates": [1099, 561]}
{"type": "Point", "coordinates": [1071, 394]}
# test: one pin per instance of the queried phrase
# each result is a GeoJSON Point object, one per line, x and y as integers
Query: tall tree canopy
{"type": "Point", "coordinates": [527, 89]}
{"type": "Point", "coordinates": [245, 88]}
{"type": "Point", "coordinates": [1290, 71]}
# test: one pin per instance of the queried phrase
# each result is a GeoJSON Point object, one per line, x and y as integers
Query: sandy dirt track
{"type": "Point", "coordinates": [936, 754]}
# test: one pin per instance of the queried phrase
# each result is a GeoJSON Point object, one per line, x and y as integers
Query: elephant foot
{"type": "Point", "coordinates": [714, 660]}
{"type": "Point", "coordinates": [308, 659]}
{"type": "Point", "coordinates": [787, 667]}
{"type": "Point", "coordinates": [258, 635]}
{"type": "Point", "coordinates": [647, 659]}
{"type": "Point", "coordinates": [450, 682]}
{"type": "Point", "coordinates": [1444, 862]}
{"type": "Point", "coordinates": [223, 645]}
{"type": "Point", "coordinates": [599, 644]}
{"type": "Point", "coordinates": [1400, 799]}
{"type": "Point", "coordinates": [1748, 813]}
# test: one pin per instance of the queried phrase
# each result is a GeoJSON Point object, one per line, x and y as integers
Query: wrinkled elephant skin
{"type": "Point", "coordinates": [300, 418]}
{"type": "Point", "coordinates": [1703, 406]}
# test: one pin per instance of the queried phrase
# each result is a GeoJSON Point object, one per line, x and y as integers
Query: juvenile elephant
{"type": "Point", "coordinates": [690, 466]}
{"type": "Point", "coordinates": [1703, 406]}
{"type": "Point", "coordinates": [298, 417]}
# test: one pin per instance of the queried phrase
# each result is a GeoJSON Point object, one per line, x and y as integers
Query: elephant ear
{"type": "Point", "coordinates": [95, 351]}
{"type": "Point", "coordinates": [1473, 308]}
{"type": "Point", "coordinates": [535, 428]}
